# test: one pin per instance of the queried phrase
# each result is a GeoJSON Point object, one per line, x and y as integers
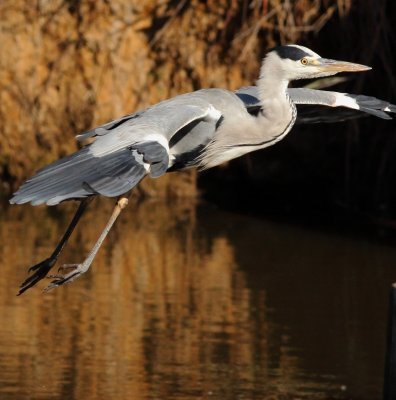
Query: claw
{"type": "Point", "coordinates": [50, 261]}
{"type": "Point", "coordinates": [54, 276]}
{"type": "Point", "coordinates": [42, 269]}
{"type": "Point", "coordinates": [59, 280]}
{"type": "Point", "coordinates": [65, 267]}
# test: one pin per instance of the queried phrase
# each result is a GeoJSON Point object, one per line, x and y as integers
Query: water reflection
{"type": "Point", "coordinates": [186, 302]}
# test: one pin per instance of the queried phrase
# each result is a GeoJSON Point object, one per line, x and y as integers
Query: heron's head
{"type": "Point", "coordinates": [298, 62]}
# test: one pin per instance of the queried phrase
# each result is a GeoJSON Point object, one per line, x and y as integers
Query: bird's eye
{"type": "Point", "coordinates": [304, 61]}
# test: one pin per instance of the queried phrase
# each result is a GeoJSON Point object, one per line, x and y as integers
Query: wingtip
{"type": "Point", "coordinates": [14, 200]}
{"type": "Point", "coordinates": [17, 200]}
{"type": "Point", "coordinates": [391, 108]}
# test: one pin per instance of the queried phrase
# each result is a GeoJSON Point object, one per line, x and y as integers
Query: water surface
{"type": "Point", "coordinates": [187, 302]}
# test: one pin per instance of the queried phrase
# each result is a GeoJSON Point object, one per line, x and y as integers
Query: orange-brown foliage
{"type": "Point", "coordinates": [66, 66]}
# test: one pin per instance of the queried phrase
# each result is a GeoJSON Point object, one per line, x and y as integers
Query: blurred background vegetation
{"type": "Point", "coordinates": [68, 65]}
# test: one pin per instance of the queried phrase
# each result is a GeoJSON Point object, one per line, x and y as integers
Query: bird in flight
{"type": "Point", "coordinates": [201, 129]}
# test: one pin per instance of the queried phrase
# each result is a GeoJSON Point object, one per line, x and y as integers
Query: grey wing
{"type": "Point", "coordinates": [167, 122]}
{"type": "Point", "coordinates": [348, 106]}
{"type": "Point", "coordinates": [80, 174]}
{"type": "Point", "coordinates": [314, 106]}
{"type": "Point", "coordinates": [108, 126]}
{"type": "Point", "coordinates": [122, 155]}
{"type": "Point", "coordinates": [249, 95]}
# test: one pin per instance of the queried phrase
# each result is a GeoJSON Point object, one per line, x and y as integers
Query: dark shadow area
{"type": "Point", "coordinates": [337, 175]}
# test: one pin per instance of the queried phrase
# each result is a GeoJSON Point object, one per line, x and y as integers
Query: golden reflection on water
{"type": "Point", "coordinates": [189, 306]}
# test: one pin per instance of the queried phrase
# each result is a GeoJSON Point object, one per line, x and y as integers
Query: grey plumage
{"type": "Point", "coordinates": [80, 175]}
{"type": "Point", "coordinates": [200, 129]}
{"type": "Point", "coordinates": [315, 106]}
{"type": "Point", "coordinates": [119, 158]}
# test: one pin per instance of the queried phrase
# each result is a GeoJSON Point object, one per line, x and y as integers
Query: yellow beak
{"type": "Point", "coordinates": [326, 65]}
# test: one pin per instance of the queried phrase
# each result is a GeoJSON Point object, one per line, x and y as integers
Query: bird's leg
{"type": "Point", "coordinates": [42, 268]}
{"type": "Point", "coordinates": [79, 269]}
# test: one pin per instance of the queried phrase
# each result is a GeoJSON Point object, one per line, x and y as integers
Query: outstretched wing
{"type": "Point", "coordinates": [125, 151]}
{"type": "Point", "coordinates": [315, 106]}
{"type": "Point", "coordinates": [80, 174]}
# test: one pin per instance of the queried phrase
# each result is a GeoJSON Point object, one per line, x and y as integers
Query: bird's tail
{"type": "Point", "coordinates": [80, 175]}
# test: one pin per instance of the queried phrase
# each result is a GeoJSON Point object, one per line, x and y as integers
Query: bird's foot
{"type": "Point", "coordinates": [61, 278]}
{"type": "Point", "coordinates": [41, 270]}
{"type": "Point", "coordinates": [66, 267]}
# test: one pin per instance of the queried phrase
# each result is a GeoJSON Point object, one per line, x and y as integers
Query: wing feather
{"type": "Point", "coordinates": [82, 174]}
{"type": "Point", "coordinates": [316, 106]}
{"type": "Point", "coordinates": [125, 151]}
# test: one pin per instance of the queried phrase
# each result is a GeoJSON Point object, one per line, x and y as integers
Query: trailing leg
{"type": "Point", "coordinates": [42, 268]}
{"type": "Point", "coordinates": [78, 269]}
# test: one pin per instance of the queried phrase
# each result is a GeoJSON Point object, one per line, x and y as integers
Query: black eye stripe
{"type": "Point", "coordinates": [291, 52]}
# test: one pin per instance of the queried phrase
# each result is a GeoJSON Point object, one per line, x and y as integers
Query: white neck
{"type": "Point", "coordinates": [272, 87]}
{"type": "Point", "coordinates": [255, 132]}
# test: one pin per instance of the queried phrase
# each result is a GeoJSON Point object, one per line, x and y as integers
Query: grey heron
{"type": "Point", "coordinates": [200, 129]}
